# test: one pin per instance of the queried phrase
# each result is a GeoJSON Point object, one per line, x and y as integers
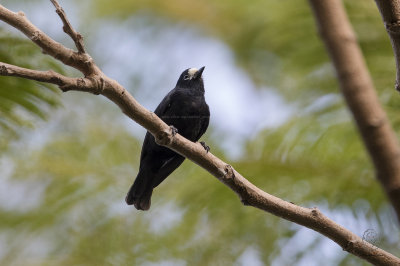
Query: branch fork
{"type": "Point", "coordinates": [68, 29]}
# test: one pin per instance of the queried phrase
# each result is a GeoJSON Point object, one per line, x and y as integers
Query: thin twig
{"type": "Point", "coordinates": [248, 193]}
{"type": "Point", "coordinates": [81, 62]}
{"type": "Point", "coordinates": [68, 29]}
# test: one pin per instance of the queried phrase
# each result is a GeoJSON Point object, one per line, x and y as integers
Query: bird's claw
{"type": "Point", "coordinates": [174, 130]}
{"type": "Point", "coordinates": [205, 146]}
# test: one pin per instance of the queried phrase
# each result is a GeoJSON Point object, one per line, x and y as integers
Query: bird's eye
{"type": "Point", "coordinates": [186, 77]}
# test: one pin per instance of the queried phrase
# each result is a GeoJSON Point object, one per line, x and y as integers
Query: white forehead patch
{"type": "Point", "coordinates": [192, 71]}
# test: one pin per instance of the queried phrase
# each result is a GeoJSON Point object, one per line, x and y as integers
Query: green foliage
{"type": "Point", "coordinates": [317, 156]}
{"type": "Point", "coordinates": [314, 159]}
{"type": "Point", "coordinates": [22, 100]}
{"type": "Point", "coordinates": [82, 218]}
{"type": "Point", "coordinates": [275, 42]}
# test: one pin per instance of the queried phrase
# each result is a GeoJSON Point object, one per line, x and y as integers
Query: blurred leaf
{"type": "Point", "coordinates": [276, 42]}
{"type": "Point", "coordinates": [82, 173]}
{"type": "Point", "coordinates": [21, 100]}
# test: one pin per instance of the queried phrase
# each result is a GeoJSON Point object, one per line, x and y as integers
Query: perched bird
{"type": "Point", "coordinates": [186, 111]}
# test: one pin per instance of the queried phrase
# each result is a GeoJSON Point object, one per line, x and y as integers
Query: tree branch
{"type": "Point", "coordinates": [359, 93]}
{"type": "Point", "coordinates": [50, 76]}
{"type": "Point", "coordinates": [75, 36]}
{"type": "Point", "coordinates": [390, 12]}
{"type": "Point", "coordinates": [82, 62]}
{"type": "Point", "coordinates": [248, 193]}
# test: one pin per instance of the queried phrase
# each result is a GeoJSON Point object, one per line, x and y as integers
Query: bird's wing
{"type": "Point", "coordinates": [165, 104]}
{"type": "Point", "coordinates": [167, 168]}
{"type": "Point", "coordinates": [161, 109]}
{"type": "Point", "coordinates": [146, 145]}
{"type": "Point", "coordinates": [204, 124]}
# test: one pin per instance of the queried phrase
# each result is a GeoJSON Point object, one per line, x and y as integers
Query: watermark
{"type": "Point", "coordinates": [371, 236]}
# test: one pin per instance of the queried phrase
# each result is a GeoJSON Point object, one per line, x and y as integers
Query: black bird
{"type": "Point", "coordinates": [185, 110]}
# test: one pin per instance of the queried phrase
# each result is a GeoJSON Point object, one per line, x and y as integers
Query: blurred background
{"type": "Point", "coordinates": [68, 160]}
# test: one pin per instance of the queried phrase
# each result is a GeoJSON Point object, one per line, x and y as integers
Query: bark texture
{"type": "Point", "coordinates": [96, 82]}
{"type": "Point", "coordinates": [390, 12]}
{"type": "Point", "coordinates": [360, 95]}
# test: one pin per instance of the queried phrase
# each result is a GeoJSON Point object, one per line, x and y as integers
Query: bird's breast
{"type": "Point", "coordinates": [188, 116]}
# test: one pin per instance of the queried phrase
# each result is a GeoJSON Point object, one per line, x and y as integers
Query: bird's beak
{"type": "Point", "coordinates": [198, 73]}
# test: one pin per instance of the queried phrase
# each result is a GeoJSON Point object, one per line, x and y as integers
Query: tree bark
{"type": "Point", "coordinates": [359, 93]}
{"type": "Point", "coordinates": [390, 12]}
{"type": "Point", "coordinates": [96, 82]}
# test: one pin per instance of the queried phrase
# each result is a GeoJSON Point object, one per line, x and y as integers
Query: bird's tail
{"type": "Point", "coordinates": [140, 193]}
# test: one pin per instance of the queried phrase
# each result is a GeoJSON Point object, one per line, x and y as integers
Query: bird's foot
{"type": "Point", "coordinates": [205, 146]}
{"type": "Point", "coordinates": [174, 130]}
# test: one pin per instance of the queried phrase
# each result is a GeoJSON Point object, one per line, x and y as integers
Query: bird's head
{"type": "Point", "coordinates": [191, 78]}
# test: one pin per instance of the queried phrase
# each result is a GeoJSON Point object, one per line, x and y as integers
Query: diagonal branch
{"type": "Point", "coordinates": [359, 93]}
{"type": "Point", "coordinates": [248, 193]}
{"type": "Point", "coordinates": [75, 36]}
